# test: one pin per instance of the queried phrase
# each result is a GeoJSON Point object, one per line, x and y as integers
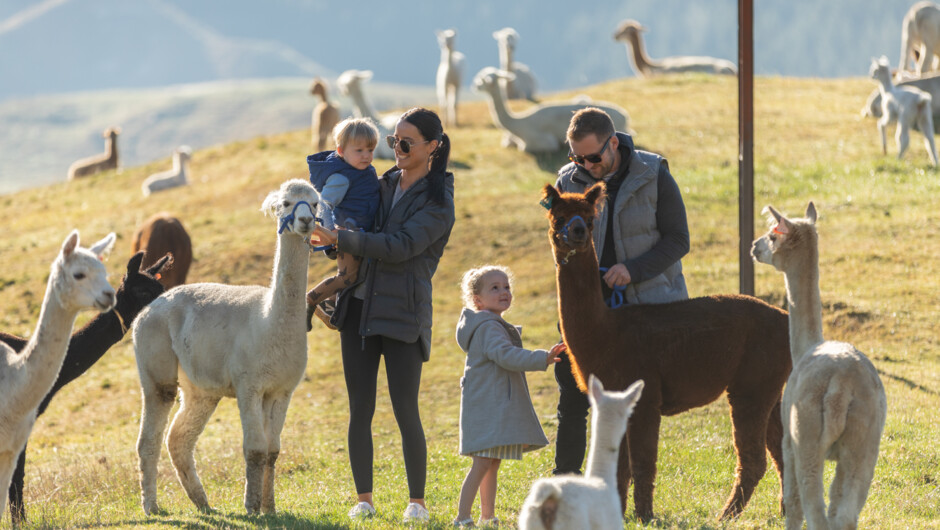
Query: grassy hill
{"type": "Point", "coordinates": [879, 275]}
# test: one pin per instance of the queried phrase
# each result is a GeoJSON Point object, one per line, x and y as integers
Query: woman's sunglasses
{"type": "Point", "coordinates": [594, 159]}
{"type": "Point", "coordinates": [404, 145]}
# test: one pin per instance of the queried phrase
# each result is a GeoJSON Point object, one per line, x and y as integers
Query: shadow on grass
{"type": "Point", "coordinates": [227, 521]}
{"type": "Point", "coordinates": [908, 383]}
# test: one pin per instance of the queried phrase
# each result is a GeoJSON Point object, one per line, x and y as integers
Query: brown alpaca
{"type": "Point", "coordinates": [688, 353]}
{"type": "Point", "coordinates": [101, 162]}
{"type": "Point", "coordinates": [158, 235]}
{"type": "Point", "coordinates": [325, 116]}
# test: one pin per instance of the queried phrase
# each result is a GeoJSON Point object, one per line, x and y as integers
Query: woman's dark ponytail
{"type": "Point", "coordinates": [429, 125]}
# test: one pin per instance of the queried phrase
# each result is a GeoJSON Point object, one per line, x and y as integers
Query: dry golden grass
{"type": "Point", "coordinates": [877, 229]}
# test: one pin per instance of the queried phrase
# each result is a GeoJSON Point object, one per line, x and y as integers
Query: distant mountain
{"type": "Point", "coordinates": [77, 45]}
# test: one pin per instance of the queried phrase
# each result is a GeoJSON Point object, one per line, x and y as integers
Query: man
{"type": "Point", "coordinates": [640, 235]}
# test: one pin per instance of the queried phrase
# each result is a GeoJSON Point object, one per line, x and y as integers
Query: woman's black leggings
{"type": "Point", "coordinates": [403, 362]}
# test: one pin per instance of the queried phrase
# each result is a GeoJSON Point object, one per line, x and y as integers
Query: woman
{"type": "Point", "coordinates": [388, 311]}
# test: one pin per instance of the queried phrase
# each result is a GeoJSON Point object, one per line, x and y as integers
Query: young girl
{"type": "Point", "coordinates": [349, 198]}
{"type": "Point", "coordinates": [497, 419]}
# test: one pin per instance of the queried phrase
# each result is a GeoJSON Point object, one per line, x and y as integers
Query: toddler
{"type": "Point", "coordinates": [497, 420]}
{"type": "Point", "coordinates": [349, 197]}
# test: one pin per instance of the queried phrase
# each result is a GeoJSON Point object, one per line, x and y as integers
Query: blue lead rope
{"type": "Point", "coordinates": [616, 294]}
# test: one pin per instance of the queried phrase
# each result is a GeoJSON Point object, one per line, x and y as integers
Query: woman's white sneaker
{"type": "Point", "coordinates": [415, 513]}
{"type": "Point", "coordinates": [363, 510]}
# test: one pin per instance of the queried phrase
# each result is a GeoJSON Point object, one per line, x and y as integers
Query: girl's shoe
{"type": "Point", "coordinates": [489, 523]}
{"type": "Point", "coordinates": [415, 513]}
{"type": "Point", "coordinates": [363, 510]}
{"type": "Point", "coordinates": [464, 523]}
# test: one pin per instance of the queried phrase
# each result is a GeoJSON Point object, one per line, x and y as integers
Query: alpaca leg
{"type": "Point", "coordinates": [190, 421]}
{"type": "Point", "coordinates": [749, 420]}
{"type": "Point", "coordinates": [808, 462]}
{"type": "Point", "coordinates": [624, 473]}
{"type": "Point", "coordinates": [882, 126]}
{"type": "Point", "coordinates": [853, 477]}
{"type": "Point", "coordinates": [643, 433]}
{"type": "Point", "coordinates": [7, 465]}
{"type": "Point", "coordinates": [158, 400]}
{"type": "Point", "coordinates": [275, 413]}
{"type": "Point", "coordinates": [902, 136]}
{"type": "Point", "coordinates": [17, 508]}
{"type": "Point", "coordinates": [775, 447]}
{"type": "Point", "coordinates": [925, 121]}
{"type": "Point", "coordinates": [254, 447]}
{"type": "Point", "coordinates": [791, 493]}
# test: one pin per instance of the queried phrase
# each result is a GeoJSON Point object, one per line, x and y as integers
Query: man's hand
{"type": "Point", "coordinates": [617, 276]}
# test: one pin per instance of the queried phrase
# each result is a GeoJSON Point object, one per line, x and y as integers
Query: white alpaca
{"type": "Point", "coordinates": [629, 32]}
{"type": "Point", "coordinates": [101, 162]}
{"type": "Point", "coordinates": [541, 128]}
{"type": "Point", "coordinates": [905, 105]}
{"type": "Point", "coordinates": [215, 341]}
{"type": "Point", "coordinates": [325, 116]}
{"type": "Point", "coordinates": [523, 85]}
{"type": "Point", "coordinates": [77, 280]}
{"type": "Point", "coordinates": [591, 501]}
{"type": "Point", "coordinates": [834, 404]}
{"type": "Point", "coordinates": [449, 76]}
{"type": "Point", "coordinates": [350, 84]}
{"type": "Point", "coordinates": [929, 83]}
{"type": "Point", "coordinates": [171, 178]}
{"type": "Point", "coordinates": [920, 31]}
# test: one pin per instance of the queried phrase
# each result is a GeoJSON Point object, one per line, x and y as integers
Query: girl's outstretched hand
{"type": "Point", "coordinates": [552, 356]}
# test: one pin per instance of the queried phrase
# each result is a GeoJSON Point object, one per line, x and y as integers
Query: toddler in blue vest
{"type": "Point", "coordinates": [349, 197]}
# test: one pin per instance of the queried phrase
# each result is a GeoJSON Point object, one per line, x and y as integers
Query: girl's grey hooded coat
{"type": "Point", "coordinates": [495, 407]}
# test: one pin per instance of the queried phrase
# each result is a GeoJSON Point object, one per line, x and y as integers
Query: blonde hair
{"type": "Point", "coordinates": [356, 130]}
{"type": "Point", "coordinates": [472, 282]}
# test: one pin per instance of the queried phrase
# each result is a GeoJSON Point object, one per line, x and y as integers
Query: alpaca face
{"type": "Point", "coordinates": [784, 236]}
{"type": "Point", "coordinates": [294, 205]}
{"type": "Point", "coordinates": [571, 217]}
{"type": "Point", "coordinates": [140, 287]}
{"type": "Point", "coordinates": [81, 278]}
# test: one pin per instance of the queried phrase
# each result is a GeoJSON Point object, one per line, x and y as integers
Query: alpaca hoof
{"type": "Point", "coordinates": [152, 508]}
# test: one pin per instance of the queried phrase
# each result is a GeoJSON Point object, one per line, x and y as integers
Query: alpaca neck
{"type": "Point", "coordinates": [505, 58]}
{"type": "Point", "coordinates": [40, 360]}
{"type": "Point", "coordinates": [365, 110]}
{"type": "Point", "coordinates": [884, 82]}
{"type": "Point", "coordinates": [110, 148]}
{"type": "Point", "coordinates": [447, 56]}
{"type": "Point", "coordinates": [580, 306]}
{"type": "Point", "coordinates": [604, 451]}
{"type": "Point", "coordinates": [804, 305]}
{"type": "Point", "coordinates": [288, 285]}
{"type": "Point", "coordinates": [637, 51]}
{"type": "Point", "coordinates": [498, 110]}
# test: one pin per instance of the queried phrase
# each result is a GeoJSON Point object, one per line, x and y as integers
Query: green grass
{"type": "Point", "coordinates": [879, 277]}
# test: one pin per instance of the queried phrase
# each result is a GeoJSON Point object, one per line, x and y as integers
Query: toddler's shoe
{"type": "Point", "coordinates": [330, 251]}
{"type": "Point", "coordinates": [415, 513]}
{"type": "Point", "coordinates": [363, 510]}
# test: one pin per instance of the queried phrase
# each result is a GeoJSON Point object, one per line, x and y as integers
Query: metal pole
{"type": "Point", "coordinates": [746, 143]}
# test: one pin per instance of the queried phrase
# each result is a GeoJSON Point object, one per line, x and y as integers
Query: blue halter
{"type": "Point", "coordinates": [289, 218]}
{"type": "Point", "coordinates": [616, 293]}
{"type": "Point", "coordinates": [564, 231]}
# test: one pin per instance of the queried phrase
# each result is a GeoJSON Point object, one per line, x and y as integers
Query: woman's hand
{"type": "Point", "coordinates": [322, 236]}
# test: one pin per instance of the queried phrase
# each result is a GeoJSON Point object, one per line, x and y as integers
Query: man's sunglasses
{"type": "Point", "coordinates": [404, 145]}
{"type": "Point", "coordinates": [594, 159]}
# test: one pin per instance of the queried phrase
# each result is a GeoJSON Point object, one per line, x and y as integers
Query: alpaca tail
{"type": "Point", "coordinates": [540, 510]}
{"type": "Point", "coordinates": [835, 409]}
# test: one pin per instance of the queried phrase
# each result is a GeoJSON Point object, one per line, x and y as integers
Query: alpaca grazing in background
{"type": "Point", "coordinates": [688, 354]}
{"type": "Point", "coordinates": [214, 341]}
{"type": "Point", "coordinates": [77, 280]}
{"type": "Point", "coordinates": [171, 178]}
{"type": "Point", "coordinates": [591, 501]}
{"type": "Point", "coordinates": [834, 405]}
{"type": "Point", "coordinates": [920, 38]}
{"type": "Point", "coordinates": [98, 163]}
{"type": "Point", "coordinates": [88, 345]}
{"type": "Point", "coordinates": [350, 84]}
{"type": "Point", "coordinates": [449, 76]}
{"type": "Point", "coordinates": [164, 234]}
{"type": "Point", "coordinates": [325, 116]}
{"type": "Point", "coordinates": [905, 105]}
{"type": "Point", "coordinates": [629, 33]}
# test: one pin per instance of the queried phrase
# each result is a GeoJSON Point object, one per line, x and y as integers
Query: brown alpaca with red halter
{"type": "Point", "coordinates": [688, 353]}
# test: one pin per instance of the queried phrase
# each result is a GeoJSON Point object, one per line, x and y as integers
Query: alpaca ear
{"type": "Point", "coordinates": [270, 202]}
{"type": "Point", "coordinates": [133, 265]}
{"type": "Point", "coordinates": [811, 212]}
{"type": "Point", "coordinates": [165, 261]}
{"type": "Point", "coordinates": [70, 244]}
{"type": "Point", "coordinates": [595, 194]}
{"type": "Point", "coordinates": [549, 196]}
{"type": "Point", "coordinates": [103, 248]}
{"type": "Point", "coordinates": [596, 387]}
{"type": "Point", "coordinates": [633, 393]}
